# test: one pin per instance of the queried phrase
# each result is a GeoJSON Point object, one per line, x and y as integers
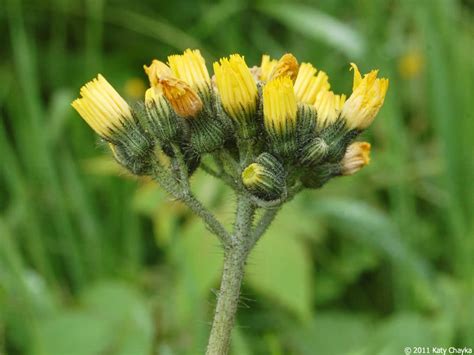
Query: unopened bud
{"type": "Point", "coordinates": [135, 164]}
{"type": "Point", "coordinates": [161, 120]}
{"type": "Point", "coordinates": [314, 152]}
{"type": "Point", "coordinates": [357, 156]}
{"type": "Point", "coordinates": [265, 178]}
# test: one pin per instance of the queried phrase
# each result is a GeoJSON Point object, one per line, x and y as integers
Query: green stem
{"type": "Point", "coordinates": [184, 194]}
{"type": "Point", "coordinates": [262, 225]}
{"type": "Point", "coordinates": [235, 256]}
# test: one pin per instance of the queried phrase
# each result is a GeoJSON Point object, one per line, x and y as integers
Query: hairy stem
{"type": "Point", "coordinates": [182, 192]}
{"type": "Point", "coordinates": [235, 256]}
{"type": "Point", "coordinates": [262, 225]}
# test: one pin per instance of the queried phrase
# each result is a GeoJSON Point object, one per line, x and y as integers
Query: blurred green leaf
{"type": "Point", "coordinates": [113, 318]}
{"type": "Point", "coordinates": [334, 333]}
{"type": "Point", "coordinates": [371, 226]}
{"type": "Point", "coordinates": [153, 27]}
{"type": "Point", "coordinates": [405, 330]}
{"type": "Point", "coordinates": [317, 25]}
{"type": "Point", "coordinates": [72, 333]}
{"type": "Point", "coordinates": [280, 268]}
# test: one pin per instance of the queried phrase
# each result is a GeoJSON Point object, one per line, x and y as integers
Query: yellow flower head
{"type": "Point", "coordinates": [279, 105]}
{"type": "Point", "coordinates": [134, 88]}
{"type": "Point", "coordinates": [237, 87]}
{"type": "Point", "coordinates": [156, 71]}
{"type": "Point", "coordinates": [411, 64]}
{"type": "Point", "coordinates": [286, 66]}
{"type": "Point", "coordinates": [184, 100]}
{"type": "Point", "coordinates": [266, 67]}
{"type": "Point", "coordinates": [191, 68]}
{"type": "Point", "coordinates": [328, 106]}
{"type": "Point", "coordinates": [308, 84]}
{"type": "Point", "coordinates": [252, 175]}
{"type": "Point", "coordinates": [367, 97]}
{"type": "Point", "coordinates": [357, 156]}
{"type": "Point", "coordinates": [104, 110]}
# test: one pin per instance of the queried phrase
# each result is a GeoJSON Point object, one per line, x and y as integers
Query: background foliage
{"type": "Point", "coordinates": [93, 261]}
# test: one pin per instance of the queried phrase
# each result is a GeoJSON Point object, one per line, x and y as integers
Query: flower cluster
{"type": "Point", "coordinates": [280, 122]}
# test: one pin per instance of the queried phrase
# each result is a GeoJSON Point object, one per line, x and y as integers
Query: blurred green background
{"type": "Point", "coordinates": [93, 261]}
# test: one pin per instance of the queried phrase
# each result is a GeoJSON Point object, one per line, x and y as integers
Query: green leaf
{"type": "Point", "coordinates": [280, 268]}
{"type": "Point", "coordinates": [371, 226]}
{"type": "Point", "coordinates": [333, 333]}
{"type": "Point", "coordinates": [317, 25]}
{"type": "Point", "coordinates": [405, 330]}
{"type": "Point", "coordinates": [113, 318]}
{"type": "Point", "coordinates": [73, 333]}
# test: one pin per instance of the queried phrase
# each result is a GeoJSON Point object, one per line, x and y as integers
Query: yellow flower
{"type": "Point", "coordinates": [308, 84]}
{"type": "Point", "coordinates": [156, 71]}
{"type": "Point", "coordinates": [104, 110]}
{"type": "Point", "coordinates": [367, 97]}
{"type": "Point", "coordinates": [328, 106]}
{"type": "Point", "coordinates": [266, 67]}
{"type": "Point", "coordinates": [191, 68]}
{"type": "Point", "coordinates": [237, 87]}
{"type": "Point", "coordinates": [134, 88]}
{"type": "Point", "coordinates": [184, 100]}
{"type": "Point", "coordinates": [279, 105]}
{"type": "Point", "coordinates": [286, 66]}
{"type": "Point", "coordinates": [357, 156]}
{"type": "Point", "coordinates": [411, 64]}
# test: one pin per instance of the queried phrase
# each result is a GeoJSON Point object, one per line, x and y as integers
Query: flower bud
{"type": "Point", "coordinates": [357, 156]}
{"type": "Point", "coordinates": [191, 68]}
{"type": "Point", "coordinates": [308, 84]}
{"type": "Point", "coordinates": [161, 120]}
{"type": "Point", "coordinates": [368, 95]}
{"type": "Point", "coordinates": [305, 124]}
{"type": "Point", "coordinates": [157, 71]}
{"type": "Point", "coordinates": [182, 98]}
{"type": "Point", "coordinates": [265, 178]}
{"type": "Point", "coordinates": [135, 164]}
{"type": "Point", "coordinates": [328, 106]}
{"type": "Point", "coordinates": [111, 117]}
{"type": "Point", "coordinates": [207, 134]}
{"type": "Point", "coordinates": [314, 152]}
{"type": "Point", "coordinates": [287, 66]}
{"type": "Point", "coordinates": [266, 67]}
{"type": "Point", "coordinates": [279, 115]}
{"type": "Point", "coordinates": [238, 92]}
{"type": "Point", "coordinates": [320, 175]}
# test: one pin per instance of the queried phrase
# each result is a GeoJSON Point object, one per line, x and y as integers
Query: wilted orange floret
{"type": "Point", "coordinates": [184, 100]}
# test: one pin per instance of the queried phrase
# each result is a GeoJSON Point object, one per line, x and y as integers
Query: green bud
{"type": "Point", "coordinates": [207, 133]}
{"type": "Point", "coordinates": [133, 139]}
{"type": "Point", "coordinates": [137, 165]}
{"type": "Point", "coordinates": [339, 144]}
{"type": "Point", "coordinates": [318, 176]}
{"type": "Point", "coordinates": [305, 124]}
{"type": "Point", "coordinates": [265, 178]}
{"type": "Point", "coordinates": [314, 152]}
{"type": "Point", "coordinates": [209, 130]}
{"type": "Point", "coordinates": [159, 118]}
